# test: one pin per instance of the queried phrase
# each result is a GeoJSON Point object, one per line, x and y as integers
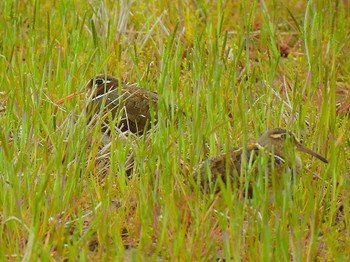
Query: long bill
{"type": "Point", "coordinates": [62, 100]}
{"type": "Point", "coordinates": [67, 98]}
{"type": "Point", "coordinates": [307, 150]}
{"type": "Point", "coordinates": [99, 91]}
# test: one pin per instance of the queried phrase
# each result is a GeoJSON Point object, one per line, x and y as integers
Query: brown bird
{"type": "Point", "coordinates": [271, 142]}
{"type": "Point", "coordinates": [137, 106]}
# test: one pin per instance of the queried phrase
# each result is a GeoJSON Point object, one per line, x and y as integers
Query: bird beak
{"type": "Point", "coordinates": [67, 98]}
{"type": "Point", "coordinates": [307, 150]}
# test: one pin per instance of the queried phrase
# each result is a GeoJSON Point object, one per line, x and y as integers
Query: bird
{"type": "Point", "coordinates": [137, 107]}
{"type": "Point", "coordinates": [272, 142]}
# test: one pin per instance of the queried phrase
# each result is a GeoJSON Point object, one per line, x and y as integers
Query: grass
{"type": "Point", "coordinates": [220, 63]}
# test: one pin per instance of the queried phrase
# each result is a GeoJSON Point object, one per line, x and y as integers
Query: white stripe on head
{"type": "Point", "coordinates": [98, 97]}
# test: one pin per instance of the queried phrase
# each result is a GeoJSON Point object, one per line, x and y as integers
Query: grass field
{"type": "Point", "coordinates": [233, 68]}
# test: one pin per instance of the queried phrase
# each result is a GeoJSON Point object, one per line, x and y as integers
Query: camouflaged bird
{"type": "Point", "coordinates": [137, 107]}
{"type": "Point", "coordinates": [271, 142]}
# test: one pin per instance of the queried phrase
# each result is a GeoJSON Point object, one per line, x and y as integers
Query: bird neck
{"type": "Point", "coordinates": [290, 160]}
{"type": "Point", "coordinates": [102, 90]}
{"type": "Point", "coordinates": [275, 149]}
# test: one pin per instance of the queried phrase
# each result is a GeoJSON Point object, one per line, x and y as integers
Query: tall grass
{"type": "Point", "coordinates": [220, 63]}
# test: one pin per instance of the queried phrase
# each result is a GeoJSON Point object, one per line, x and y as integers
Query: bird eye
{"type": "Point", "coordinates": [99, 81]}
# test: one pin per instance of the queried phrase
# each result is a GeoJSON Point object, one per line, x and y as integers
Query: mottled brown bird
{"type": "Point", "coordinates": [137, 106]}
{"type": "Point", "coordinates": [271, 142]}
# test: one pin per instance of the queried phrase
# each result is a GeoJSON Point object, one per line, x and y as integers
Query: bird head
{"type": "Point", "coordinates": [275, 140]}
{"type": "Point", "coordinates": [99, 85]}
{"type": "Point", "coordinates": [102, 84]}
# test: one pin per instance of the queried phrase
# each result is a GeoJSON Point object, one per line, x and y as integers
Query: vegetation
{"type": "Point", "coordinates": [233, 68]}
